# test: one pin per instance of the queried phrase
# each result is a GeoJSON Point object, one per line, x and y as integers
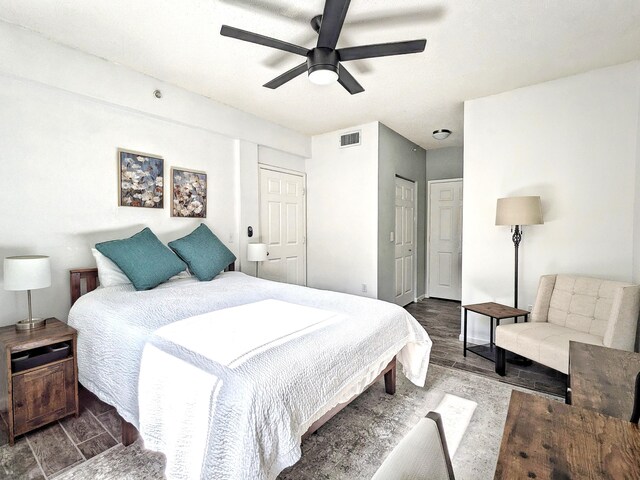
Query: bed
{"type": "Point", "coordinates": [226, 377]}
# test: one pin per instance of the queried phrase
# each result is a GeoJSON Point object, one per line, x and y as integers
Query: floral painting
{"type": "Point", "coordinates": [141, 180]}
{"type": "Point", "coordinates": [189, 189]}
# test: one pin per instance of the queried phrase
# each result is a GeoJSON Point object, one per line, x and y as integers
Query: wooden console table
{"type": "Point", "coordinates": [546, 439]}
{"type": "Point", "coordinates": [602, 379]}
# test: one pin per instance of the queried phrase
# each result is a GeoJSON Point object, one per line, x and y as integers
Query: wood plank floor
{"type": "Point", "coordinates": [442, 320]}
{"type": "Point", "coordinates": [49, 451]}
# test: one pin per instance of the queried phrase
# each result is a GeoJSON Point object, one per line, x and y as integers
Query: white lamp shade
{"type": "Point", "coordinates": [257, 252]}
{"type": "Point", "coordinates": [519, 211]}
{"type": "Point", "coordinates": [27, 272]}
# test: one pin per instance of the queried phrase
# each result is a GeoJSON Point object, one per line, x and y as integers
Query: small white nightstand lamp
{"type": "Point", "coordinates": [28, 272]}
{"type": "Point", "coordinates": [257, 252]}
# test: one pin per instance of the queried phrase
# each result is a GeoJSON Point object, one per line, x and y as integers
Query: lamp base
{"type": "Point", "coordinates": [33, 324]}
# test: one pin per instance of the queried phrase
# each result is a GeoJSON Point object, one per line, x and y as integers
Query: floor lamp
{"type": "Point", "coordinates": [516, 212]}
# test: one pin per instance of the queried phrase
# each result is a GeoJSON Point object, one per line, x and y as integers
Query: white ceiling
{"type": "Point", "coordinates": [474, 48]}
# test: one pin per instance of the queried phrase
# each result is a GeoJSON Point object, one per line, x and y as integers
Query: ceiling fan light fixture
{"type": "Point", "coordinates": [323, 74]}
{"type": "Point", "coordinates": [441, 134]}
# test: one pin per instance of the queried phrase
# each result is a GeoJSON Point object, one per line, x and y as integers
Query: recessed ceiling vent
{"type": "Point", "coordinates": [350, 139]}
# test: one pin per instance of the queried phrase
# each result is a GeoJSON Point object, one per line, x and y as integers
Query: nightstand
{"type": "Point", "coordinates": [38, 376]}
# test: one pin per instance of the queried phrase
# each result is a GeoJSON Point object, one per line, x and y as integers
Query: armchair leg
{"type": "Point", "coordinates": [500, 361]}
{"type": "Point", "coordinates": [635, 415]}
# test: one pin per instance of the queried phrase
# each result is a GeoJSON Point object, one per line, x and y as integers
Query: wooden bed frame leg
{"type": "Point", "coordinates": [390, 380]}
{"type": "Point", "coordinates": [129, 433]}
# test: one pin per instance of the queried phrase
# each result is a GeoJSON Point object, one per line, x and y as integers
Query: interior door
{"type": "Point", "coordinates": [405, 241]}
{"type": "Point", "coordinates": [445, 234]}
{"type": "Point", "coordinates": [283, 226]}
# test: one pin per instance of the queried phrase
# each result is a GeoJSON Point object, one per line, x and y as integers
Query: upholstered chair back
{"type": "Point", "coordinates": [599, 307]}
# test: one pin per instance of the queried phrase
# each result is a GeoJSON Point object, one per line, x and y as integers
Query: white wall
{"type": "Point", "coordinates": [278, 158]}
{"type": "Point", "coordinates": [574, 142]}
{"type": "Point", "coordinates": [636, 230]}
{"type": "Point", "coordinates": [342, 216]}
{"type": "Point", "coordinates": [64, 114]}
{"type": "Point", "coordinates": [29, 56]}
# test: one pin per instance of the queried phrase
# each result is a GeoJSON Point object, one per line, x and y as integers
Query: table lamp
{"type": "Point", "coordinates": [516, 212]}
{"type": "Point", "coordinates": [257, 252]}
{"type": "Point", "coordinates": [28, 272]}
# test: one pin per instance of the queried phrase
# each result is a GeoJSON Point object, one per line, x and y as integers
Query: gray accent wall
{"type": "Point", "coordinates": [398, 156]}
{"type": "Point", "coordinates": [444, 163]}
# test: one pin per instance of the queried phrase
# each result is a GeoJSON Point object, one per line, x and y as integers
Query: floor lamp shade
{"type": "Point", "coordinates": [257, 252]}
{"type": "Point", "coordinates": [519, 211]}
{"type": "Point", "coordinates": [27, 272]}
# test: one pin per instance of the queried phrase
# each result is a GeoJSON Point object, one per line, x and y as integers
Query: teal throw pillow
{"type": "Point", "coordinates": [143, 259]}
{"type": "Point", "coordinates": [205, 254]}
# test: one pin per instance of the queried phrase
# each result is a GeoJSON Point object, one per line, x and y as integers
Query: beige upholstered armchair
{"type": "Point", "coordinates": [571, 308]}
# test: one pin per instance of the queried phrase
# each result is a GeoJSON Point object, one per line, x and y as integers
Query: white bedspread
{"type": "Point", "coordinates": [203, 389]}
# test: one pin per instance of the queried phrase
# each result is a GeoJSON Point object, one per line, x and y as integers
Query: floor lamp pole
{"type": "Point", "coordinates": [516, 237]}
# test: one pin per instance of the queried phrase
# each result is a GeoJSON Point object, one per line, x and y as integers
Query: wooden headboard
{"type": "Point", "coordinates": [90, 277]}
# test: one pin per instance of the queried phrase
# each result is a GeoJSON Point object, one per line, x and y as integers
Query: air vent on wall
{"type": "Point", "coordinates": [350, 139]}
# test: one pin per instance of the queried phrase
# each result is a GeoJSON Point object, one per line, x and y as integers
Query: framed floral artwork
{"type": "Point", "coordinates": [189, 193]}
{"type": "Point", "coordinates": [140, 180]}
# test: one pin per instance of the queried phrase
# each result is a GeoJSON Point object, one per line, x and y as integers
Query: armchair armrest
{"type": "Point", "coordinates": [623, 321]}
{"type": "Point", "coordinates": [543, 298]}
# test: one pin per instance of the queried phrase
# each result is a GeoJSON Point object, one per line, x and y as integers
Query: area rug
{"type": "Point", "coordinates": [456, 413]}
{"type": "Point", "coordinates": [355, 442]}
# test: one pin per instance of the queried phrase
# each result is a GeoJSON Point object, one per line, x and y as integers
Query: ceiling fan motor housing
{"type": "Point", "coordinates": [321, 58]}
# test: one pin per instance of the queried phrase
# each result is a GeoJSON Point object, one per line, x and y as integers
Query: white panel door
{"type": "Point", "coordinates": [283, 226]}
{"type": "Point", "coordinates": [405, 241]}
{"type": "Point", "coordinates": [445, 245]}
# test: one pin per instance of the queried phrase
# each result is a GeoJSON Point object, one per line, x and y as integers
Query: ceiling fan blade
{"type": "Point", "coordinates": [350, 84]}
{"type": "Point", "coordinates": [333, 17]}
{"type": "Point", "coordinates": [382, 50]}
{"type": "Point", "coordinates": [286, 76]}
{"type": "Point", "coordinates": [396, 18]}
{"type": "Point", "coordinates": [274, 8]}
{"type": "Point", "coordinates": [246, 36]}
{"type": "Point", "coordinates": [278, 59]}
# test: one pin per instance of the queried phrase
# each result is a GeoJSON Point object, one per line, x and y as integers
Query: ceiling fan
{"type": "Point", "coordinates": [323, 62]}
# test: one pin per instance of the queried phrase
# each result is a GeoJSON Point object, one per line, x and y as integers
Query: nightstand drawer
{"type": "Point", "coordinates": [43, 395]}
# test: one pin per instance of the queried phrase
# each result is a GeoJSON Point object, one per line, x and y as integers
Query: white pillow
{"type": "Point", "coordinates": [109, 274]}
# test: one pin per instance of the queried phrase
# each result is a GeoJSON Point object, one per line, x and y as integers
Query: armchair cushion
{"type": "Point", "coordinates": [582, 303]}
{"type": "Point", "coordinates": [544, 343]}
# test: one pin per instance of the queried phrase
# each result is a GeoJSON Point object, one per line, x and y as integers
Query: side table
{"type": "Point", "coordinates": [38, 375]}
{"type": "Point", "coordinates": [497, 312]}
